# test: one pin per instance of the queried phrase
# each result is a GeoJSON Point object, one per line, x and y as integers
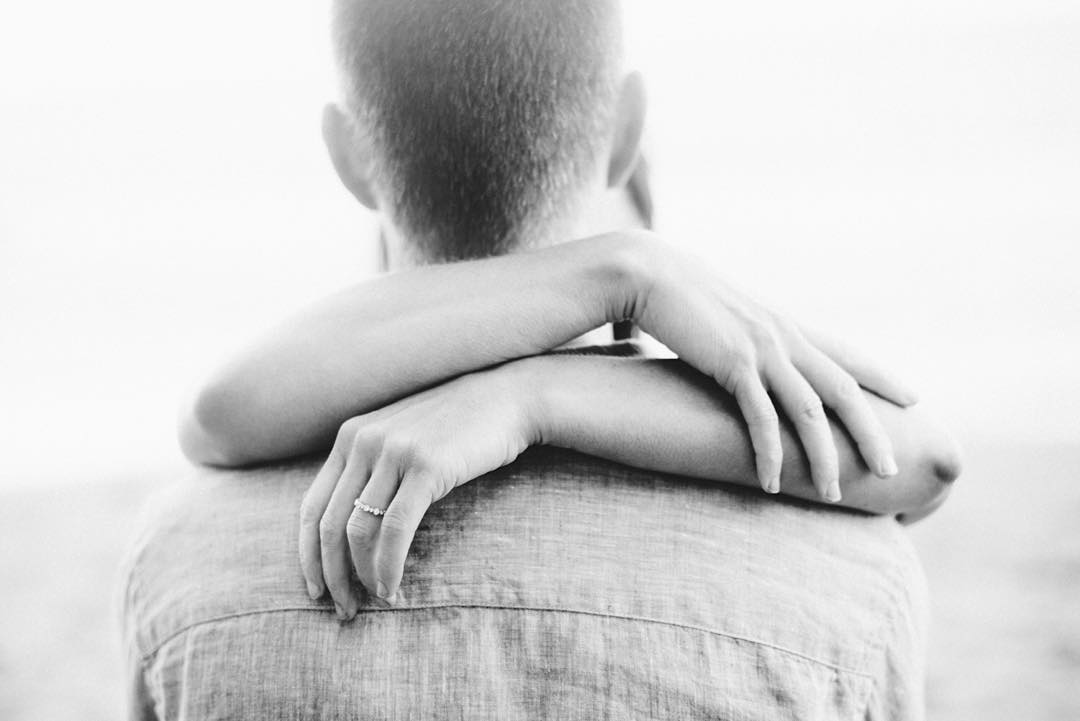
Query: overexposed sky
{"type": "Point", "coordinates": [906, 174]}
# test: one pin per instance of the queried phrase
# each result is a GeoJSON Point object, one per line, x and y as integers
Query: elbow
{"type": "Point", "coordinates": [209, 430]}
{"type": "Point", "coordinates": [939, 470]}
{"type": "Point", "coordinates": [945, 464]}
{"type": "Point", "coordinates": [948, 463]}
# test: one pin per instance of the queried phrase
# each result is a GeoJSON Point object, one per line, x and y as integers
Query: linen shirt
{"type": "Point", "coordinates": [559, 587]}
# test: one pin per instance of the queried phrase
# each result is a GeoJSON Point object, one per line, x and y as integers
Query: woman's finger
{"type": "Point", "coordinates": [803, 406]}
{"type": "Point", "coordinates": [839, 391]}
{"type": "Point", "coordinates": [764, 427]}
{"type": "Point", "coordinates": [312, 509]}
{"type": "Point", "coordinates": [398, 528]}
{"type": "Point", "coordinates": [869, 374]}
{"type": "Point", "coordinates": [367, 509]}
{"type": "Point", "coordinates": [333, 543]}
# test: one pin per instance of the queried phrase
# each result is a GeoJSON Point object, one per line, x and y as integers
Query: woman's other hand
{"type": "Point", "coordinates": [753, 353]}
{"type": "Point", "coordinates": [400, 459]}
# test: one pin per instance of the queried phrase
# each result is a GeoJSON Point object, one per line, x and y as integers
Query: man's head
{"type": "Point", "coordinates": [479, 126]}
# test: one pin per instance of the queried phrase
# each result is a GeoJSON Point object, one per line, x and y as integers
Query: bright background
{"type": "Point", "coordinates": [906, 174]}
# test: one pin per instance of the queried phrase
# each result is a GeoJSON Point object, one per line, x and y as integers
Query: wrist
{"type": "Point", "coordinates": [622, 267]}
{"type": "Point", "coordinates": [528, 385]}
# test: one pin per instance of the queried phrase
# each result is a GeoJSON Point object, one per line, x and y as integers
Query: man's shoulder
{"type": "Point", "coordinates": [554, 530]}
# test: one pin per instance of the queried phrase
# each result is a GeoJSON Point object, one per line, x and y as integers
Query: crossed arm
{"type": "Point", "coordinates": [426, 379]}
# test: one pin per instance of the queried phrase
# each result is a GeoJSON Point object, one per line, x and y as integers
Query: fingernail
{"type": "Point", "coordinates": [773, 486]}
{"type": "Point", "coordinates": [888, 467]}
{"type": "Point", "coordinates": [340, 611]}
{"type": "Point", "coordinates": [313, 591]}
{"type": "Point", "coordinates": [381, 590]}
{"type": "Point", "coordinates": [833, 493]}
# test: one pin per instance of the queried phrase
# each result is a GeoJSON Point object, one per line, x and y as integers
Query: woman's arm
{"type": "Point", "coordinates": [663, 415]}
{"type": "Point", "coordinates": [386, 339]}
{"type": "Point", "coordinates": [659, 415]}
{"type": "Point", "coordinates": [381, 340]}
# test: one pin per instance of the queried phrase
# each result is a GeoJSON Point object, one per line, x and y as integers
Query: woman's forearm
{"type": "Point", "coordinates": [381, 340]}
{"type": "Point", "coordinates": [378, 342]}
{"type": "Point", "coordinates": [663, 415]}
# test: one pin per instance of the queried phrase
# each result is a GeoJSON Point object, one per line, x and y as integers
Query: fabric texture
{"type": "Point", "coordinates": [559, 587]}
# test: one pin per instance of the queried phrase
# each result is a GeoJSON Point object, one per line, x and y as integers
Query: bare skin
{"type": "Point", "coordinates": [655, 414]}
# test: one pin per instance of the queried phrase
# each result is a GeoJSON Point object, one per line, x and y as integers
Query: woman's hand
{"type": "Point", "coordinates": [752, 352]}
{"type": "Point", "coordinates": [400, 459]}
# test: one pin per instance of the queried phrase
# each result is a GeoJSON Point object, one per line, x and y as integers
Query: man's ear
{"type": "Point", "coordinates": [629, 124]}
{"type": "Point", "coordinates": [350, 153]}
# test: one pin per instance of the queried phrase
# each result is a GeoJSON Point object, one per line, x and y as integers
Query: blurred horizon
{"type": "Point", "coordinates": [902, 174]}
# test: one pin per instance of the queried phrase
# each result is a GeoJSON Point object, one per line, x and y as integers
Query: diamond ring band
{"type": "Point", "coordinates": [369, 509]}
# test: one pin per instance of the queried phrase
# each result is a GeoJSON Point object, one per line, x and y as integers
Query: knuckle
{"type": "Point", "coordinates": [432, 486]}
{"type": "Point", "coordinates": [364, 439]}
{"type": "Point", "coordinates": [400, 447]}
{"type": "Point", "coordinates": [357, 529]}
{"type": "Point", "coordinates": [413, 456]}
{"type": "Point", "coordinates": [741, 375]}
{"type": "Point", "coordinates": [744, 360]}
{"type": "Point", "coordinates": [347, 433]}
{"type": "Point", "coordinates": [395, 523]}
{"type": "Point", "coordinates": [764, 416]}
{"type": "Point", "coordinates": [310, 514]}
{"type": "Point", "coordinates": [766, 337]}
{"type": "Point", "coordinates": [759, 411]}
{"type": "Point", "coordinates": [846, 391]}
{"type": "Point", "coordinates": [810, 410]}
{"type": "Point", "coordinates": [772, 457]}
{"type": "Point", "coordinates": [421, 460]}
{"type": "Point", "coordinates": [328, 534]}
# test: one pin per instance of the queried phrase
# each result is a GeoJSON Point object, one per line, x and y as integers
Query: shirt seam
{"type": "Point", "coordinates": [146, 657]}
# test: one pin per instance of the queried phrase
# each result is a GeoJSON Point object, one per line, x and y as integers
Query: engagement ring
{"type": "Point", "coordinates": [369, 509]}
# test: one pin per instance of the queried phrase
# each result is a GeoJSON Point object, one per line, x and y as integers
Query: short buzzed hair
{"type": "Point", "coordinates": [485, 114]}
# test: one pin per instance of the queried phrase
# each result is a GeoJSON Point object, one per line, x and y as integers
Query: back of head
{"type": "Point", "coordinates": [485, 116]}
